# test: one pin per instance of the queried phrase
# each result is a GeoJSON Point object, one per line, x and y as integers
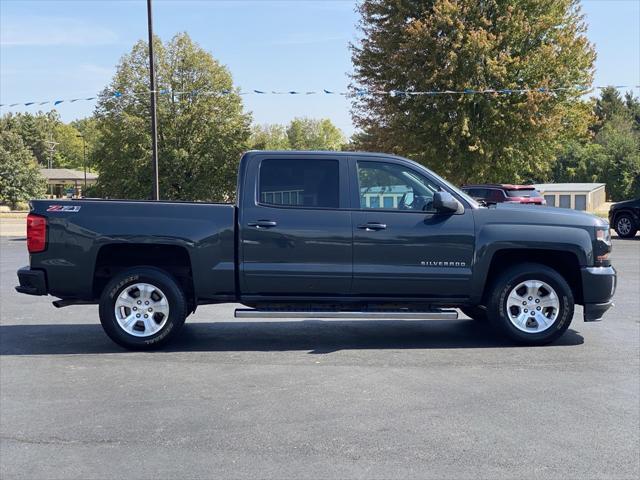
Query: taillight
{"type": "Point", "coordinates": [36, 233]}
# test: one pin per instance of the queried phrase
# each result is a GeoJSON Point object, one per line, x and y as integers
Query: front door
{"type": "Point", "coordinates": [295, 227]}
{"type": "Point", "coordinates": [402, 247]}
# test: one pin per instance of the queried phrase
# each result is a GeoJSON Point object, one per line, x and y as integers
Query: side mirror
{"type": "Point", "coordinates": [444, 202]}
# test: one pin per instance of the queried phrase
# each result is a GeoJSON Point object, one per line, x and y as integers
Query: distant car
{"type": "Point", "coordinates": [505, 193]}
{"type": "Point", "coordinates": [624, 217]}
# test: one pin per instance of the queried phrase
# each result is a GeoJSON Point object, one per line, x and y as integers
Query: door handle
{"type": "Point", "coordinates": [263, 224]}
{"type": "Point", "coordinates": [372, 226]}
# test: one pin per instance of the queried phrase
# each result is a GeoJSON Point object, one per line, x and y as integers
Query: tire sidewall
{"type": "Point", "coordinates": [157, 278]}
{"type": "Point", "coordinates": [553, 279]}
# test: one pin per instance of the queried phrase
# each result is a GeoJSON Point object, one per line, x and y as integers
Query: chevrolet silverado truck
{"type": "Point", "coordinates": [322, 235]}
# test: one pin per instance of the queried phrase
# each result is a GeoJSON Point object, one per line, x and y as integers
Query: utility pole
{"type": "Point", "coordinates": [154, 124]}
{"type": "Point", "coordinates": [84, 161]}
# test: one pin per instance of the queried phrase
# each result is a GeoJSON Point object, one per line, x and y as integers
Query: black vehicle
{"type": "Point", "coordinates": [624, 217]}
{"type": "Point", "coordinates": [322, 234]}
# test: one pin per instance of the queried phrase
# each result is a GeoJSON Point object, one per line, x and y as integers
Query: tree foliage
{"type": "Point", "coordinates": [48, 138]}
{"type": "Point", "coordinates": [300, 134]}
{"type": "Point", "coordinates": [612, 154]}
{"type": "Point", "coordinates": [20, 178]}
{"type": "Point", "coordinates": [455, 45]}
{"type": "Point", "coordinates": [200, 136]}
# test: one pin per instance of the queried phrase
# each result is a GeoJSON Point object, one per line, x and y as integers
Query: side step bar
{"type": "Point", "coordinates": [350, 315]}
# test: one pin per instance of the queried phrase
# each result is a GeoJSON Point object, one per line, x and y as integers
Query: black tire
{"type": "Point", "coordinates": [624, 226]}
{"type": "Point", "coordinates": [508, 280]}
{"type": "Point", "coordinates": [157, 278]}
{"type": "Point", "coordinates": [475, 312]}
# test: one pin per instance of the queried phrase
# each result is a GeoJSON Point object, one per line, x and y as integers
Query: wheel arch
{"type": "Point", "coordinates": [173, 259]}
{"type": "Point", "coordinates": [566, 263]}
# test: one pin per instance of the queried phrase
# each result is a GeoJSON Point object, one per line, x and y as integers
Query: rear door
{"type": "Point", "coordinates": [295, 226]}
{"type": "Point", "coordinates": [402, 247]}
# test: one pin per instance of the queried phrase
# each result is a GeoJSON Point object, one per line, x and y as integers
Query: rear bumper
{"type": "Point", "coordinates": [32, 282]}
{"type": "Point", "coordinates": [598, 287]}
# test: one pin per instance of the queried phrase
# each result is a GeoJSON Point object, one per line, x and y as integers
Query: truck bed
{"type": "Point", "coordinates": [82, 232]}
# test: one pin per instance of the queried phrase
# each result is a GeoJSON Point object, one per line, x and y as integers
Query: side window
{"type": "Point", "coordinates": [393, 187]}
{"type": "Point", "coordinates": [495, 195]}
{"type": "Point", "coordinates": [300, 183]}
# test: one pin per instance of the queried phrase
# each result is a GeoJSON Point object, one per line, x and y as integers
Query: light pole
{"type": "Point", "coordinates": [52, 148]}
{"type": "Point", "coordinates": [84, 161]}
{"type": "Point", "coordinates": [154, 125]}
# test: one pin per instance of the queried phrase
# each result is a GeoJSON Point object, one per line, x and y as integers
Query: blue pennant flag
{"type": "Point", "coordinates": [57, 102]}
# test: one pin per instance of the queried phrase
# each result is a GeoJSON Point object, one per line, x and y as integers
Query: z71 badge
{"type": "Point", "coordinates": [63, 208]}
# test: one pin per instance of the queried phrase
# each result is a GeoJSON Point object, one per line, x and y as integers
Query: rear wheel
{"type": "Point", "coordinates": [625, 226]}
{"type": "Point", "coordinates": [475, 312]}
{"type": "Point", "coordinates": [142, 308]}
{"type": "Point", "coordinates": [531, 304]}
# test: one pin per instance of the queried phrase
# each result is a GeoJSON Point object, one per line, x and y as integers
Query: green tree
{"type": "Point", "coordinates": [311, 134]}
{"type": "Point", "coordinates": [269, 137]}
{"type": "Point", "coordinates": [20, 178]}
{"type": "Point", "coordinates": [612, 155]}
{"type": "Point", "coordinates": [300, 134]}
{"type": "Point", "coordinates": [202, 131]}
{"type": "Point", "coordinates": [48, 138]}
{"type": "Point", "coordinates": [608, 105]}
{"type": "Point", "coordinates": [621, 144]}
{"type": "Point", "coordinates": [438, 45]}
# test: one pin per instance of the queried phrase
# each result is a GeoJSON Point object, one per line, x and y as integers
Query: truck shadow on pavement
{"type": "Point", "coordinates": [315, 336]}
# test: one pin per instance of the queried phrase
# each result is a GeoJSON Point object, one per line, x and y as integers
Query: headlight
{"type": "Point", "coordinates": [602, 246]}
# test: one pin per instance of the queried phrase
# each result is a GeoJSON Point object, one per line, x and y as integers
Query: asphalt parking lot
{"type": "Point", "coordinates": [314, 399]}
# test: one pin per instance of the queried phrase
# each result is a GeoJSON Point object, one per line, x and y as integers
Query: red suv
{"type": "Point", "coordinates": [505, 193]}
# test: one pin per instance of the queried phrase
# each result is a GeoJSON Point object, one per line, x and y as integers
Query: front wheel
{"type": "Point", "coordinates": [531, 304]}
{"type": "Point", "coordinates": [624, 226]}
{"type": "Point", "coordinates": [142, 308]}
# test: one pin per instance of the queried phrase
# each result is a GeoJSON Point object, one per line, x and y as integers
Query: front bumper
{"type": "Point", "coordinates": [32, 282]}
{"type": "Point", "coordinates": [598, 287]}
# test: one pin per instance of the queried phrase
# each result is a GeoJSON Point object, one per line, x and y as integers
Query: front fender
{"type": "Point", "coordinates": [490, 239]}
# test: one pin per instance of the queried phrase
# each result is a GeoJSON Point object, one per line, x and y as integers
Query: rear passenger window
{"type": "Point", "coordinates": [300, 183]}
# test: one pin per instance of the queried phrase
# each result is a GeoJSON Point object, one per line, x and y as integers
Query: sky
{"type": "Point", "coordinates": [52, 49]}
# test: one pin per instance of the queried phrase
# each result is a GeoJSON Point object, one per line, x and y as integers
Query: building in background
{"type": "Point", "coordinates": [66, 183]}
{"type": "Point", "coordinates": [578, 196]}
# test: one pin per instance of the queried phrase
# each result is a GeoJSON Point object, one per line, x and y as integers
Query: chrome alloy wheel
{"type": "Point", "coordinates": [141, 309]}
{"type": "Point", "coordinates": [624, 225]}
{"type": "Point", "coordinates": [533, 306]}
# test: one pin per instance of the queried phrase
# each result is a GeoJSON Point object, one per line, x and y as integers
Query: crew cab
{"type": "Point", "coordinates": [318, 235]}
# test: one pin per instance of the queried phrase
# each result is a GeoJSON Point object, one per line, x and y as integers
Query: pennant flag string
{"type": "Point", "coordinates": [354, 92]}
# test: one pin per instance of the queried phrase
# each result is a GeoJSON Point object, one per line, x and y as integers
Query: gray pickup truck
{"type": "Point", "coordinates": [322, 235]}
